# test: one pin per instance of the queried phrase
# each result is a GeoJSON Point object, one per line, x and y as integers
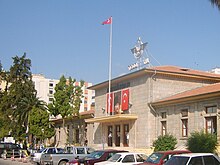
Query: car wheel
{"type": "Point", "coordinates": [62, 163]}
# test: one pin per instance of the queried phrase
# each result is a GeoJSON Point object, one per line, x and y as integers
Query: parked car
{"type": "Point", "coordinates": [124, 158]}
{"type": "Point", "coordinates": [96, 156]}
{"type": "Point", "coordinates": [10, 149]}
{"type": "Point", "coordinates": [194, 159]}
{"type": "Point", "coordinates": [37, 156]}
{"type": "Point", "coordinates": [71, 153]}
{"type": "Point", "coordinates": [160, 157]}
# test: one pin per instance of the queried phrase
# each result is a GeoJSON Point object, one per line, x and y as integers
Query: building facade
{"type": "Point", "coordinates": [131, 116]}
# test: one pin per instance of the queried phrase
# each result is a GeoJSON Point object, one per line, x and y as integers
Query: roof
{"type": "Point", "coordinates": [165, 70]}
{"type": "Point", "coordinates": [197, 93]}
{"type": "Point", "coordinates": [195, 154]}
{"type": "Point", "coordinates": [173, 151]}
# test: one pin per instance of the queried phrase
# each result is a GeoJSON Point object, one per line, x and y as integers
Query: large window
{"type": "Point", "coordinates": [211, 124]}
{"type": "Point", "coordinates": [163, 128]}
{"type": "Point", "coordinates": [184, 127]}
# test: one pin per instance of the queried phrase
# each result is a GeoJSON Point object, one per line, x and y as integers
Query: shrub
{"type": "Point", "coordinates": [164, 143]}
{"type": "Point", "coordinates": [202, 142]}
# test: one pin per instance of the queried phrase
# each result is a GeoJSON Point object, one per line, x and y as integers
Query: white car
{"type": "Point", "coordinates": [125, 158]}
{"type": "Point", "coordinates": [194, 159]}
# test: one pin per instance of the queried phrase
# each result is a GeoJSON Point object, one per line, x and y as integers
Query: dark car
{"type": "Point", "coordinates": [96, 156]}
{"type": "Point", "coordinates": [160, 157]}
{"type": "Point", "coordinates": [10, 150]}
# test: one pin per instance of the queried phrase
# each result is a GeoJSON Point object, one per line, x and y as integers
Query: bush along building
{"type": "Point", "coordinates": [154, 101]}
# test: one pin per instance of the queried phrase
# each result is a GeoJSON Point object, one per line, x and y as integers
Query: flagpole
{"type": "Point", "coordinates": [110, 66]}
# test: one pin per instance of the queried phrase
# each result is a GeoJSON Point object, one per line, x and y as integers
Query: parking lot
{"type": "Point", "coordinates": [17, 161]}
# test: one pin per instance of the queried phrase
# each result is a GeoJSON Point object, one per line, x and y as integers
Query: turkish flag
{"type": "Point", "coordinates": [125, 99]}
{"type": "Point", "coordinates": [109, 102]}
{"type": "Point", "coordinates": [108, 21]}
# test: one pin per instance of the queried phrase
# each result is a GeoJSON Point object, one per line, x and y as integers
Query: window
{"type": "Point", "coordinates": [210, 160]}
{"type": "Point", "coordinates": [211, 125]}
{"type": "Point", "coordinates": [50, 84]}
{"type": "Point", "coordinates": [141, 157]}
{"type": "Point", "coordinates": [128, 158]}
{"type": "Point", "coordinates": [50, 92]}
{"type": "Point", "coordinates": [50, 99]}
{"type": "Point", "coordinates": [196, 161]}
{"type": "Point", "coordinates": [184, 113]}
{"type": "Point", "coordinates": [163, 128]}
{"type": "Point", "coordinates": [211, 109]}
{"type": "Point", "coordinates": [163, 115]}
{"type": "Point", "coordinates": [80, 151]}
{"type": "Point", "coordinates": [184, 127]}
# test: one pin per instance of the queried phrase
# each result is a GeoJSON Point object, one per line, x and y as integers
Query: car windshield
{"type": "Point", "coordinates": [96, 154]}
{"type": "Point", "coordinates": [180, 160]}
{"type": "Point", "coordinates": [114, 158]}
{"type": "Point", "coordinates": [154, 158]}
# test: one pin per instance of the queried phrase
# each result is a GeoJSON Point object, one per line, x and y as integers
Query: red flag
{"type": "Point", "coordinates": [125, 99]}
{"type": "Point", "coordinates": [109, 102]}
{"type": "Point", "coordinates": [108, 21]}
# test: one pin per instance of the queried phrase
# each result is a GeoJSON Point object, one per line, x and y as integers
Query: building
{"type": "Point", "coordinates": [45, 87]}
{"type": "Point", "coordinates": [154, 101]}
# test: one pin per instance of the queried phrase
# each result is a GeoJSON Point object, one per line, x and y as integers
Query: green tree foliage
{"type": "Point", "coordinates": [21, 91]}
{"type": "Point", "coordinates": [19, 99]}
{"type": "Point", "coordinates": [216, 3]}
{"type": "Point", "coordinates": [202, 142]}
{"type": "Point", "coordinates": [67, 99]}
{"type": "Point", "coordinates": [164, 143]}
{"type": "Point", "coordinates": [40, 126]}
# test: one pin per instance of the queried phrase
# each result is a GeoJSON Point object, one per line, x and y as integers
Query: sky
{"type": "Point", "coordinates": [66, 37]}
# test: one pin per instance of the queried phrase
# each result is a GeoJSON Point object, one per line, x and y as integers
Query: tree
{"type": "Point", "coordinates": [19, 98]}
{"type": "Point", "coordinates": [22, 93]}
{"type": "Point", "coordinates": [216, 3]}
{"type": "Point", "coordinates": [164, 143]}
{"type": "Point", "coordinates": [67, 99]}
{"type": "Point", "coordinates": [202, 142]}
{"type": "Point", "coordinates": [40, 126]}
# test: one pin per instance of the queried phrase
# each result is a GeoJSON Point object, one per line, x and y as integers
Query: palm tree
{"type": "Point", "coordinates": [216, 3]}
{"type": "Point", "coordinates": [25, 109]}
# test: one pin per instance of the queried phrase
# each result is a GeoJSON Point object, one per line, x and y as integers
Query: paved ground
{"type": "Point", "coordinates": [15, 162]}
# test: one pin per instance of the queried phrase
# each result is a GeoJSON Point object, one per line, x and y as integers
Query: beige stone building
{"type": "Point", "coordinates": [154, 101]}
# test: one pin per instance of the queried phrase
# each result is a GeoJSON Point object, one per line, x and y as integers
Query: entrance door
{"type": "Point", "coordinates": [110, 136]}
{"type": "Point", "coordinates": [126, 135]}
{"type": "Point", "coordinates": [117, 135]}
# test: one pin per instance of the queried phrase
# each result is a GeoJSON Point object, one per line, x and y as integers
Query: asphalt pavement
{"type": "Point", "coordinates": [16, 161]}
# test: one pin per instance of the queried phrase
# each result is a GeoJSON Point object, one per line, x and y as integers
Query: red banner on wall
{"type": "Point", "coordinates": [125, 99]}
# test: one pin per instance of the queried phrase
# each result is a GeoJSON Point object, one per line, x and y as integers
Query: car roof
{"type": "Point", "coordinates": [195, 154]}
{"type": "Point", "coordinates": [129, 153]}
{"type": "Point", "coordinates": [173, 151]}
{"type": "Point", "coordinates": [110, 150]}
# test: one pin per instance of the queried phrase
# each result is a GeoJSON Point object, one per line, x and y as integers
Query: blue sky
{"type": "Point", "coordinates": [65, 37]}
